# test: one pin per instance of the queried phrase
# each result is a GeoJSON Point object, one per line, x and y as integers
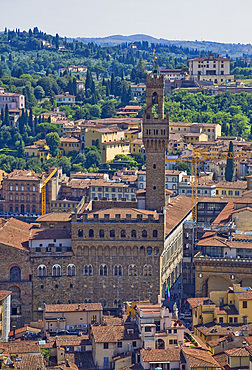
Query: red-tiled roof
{"type": "Point", "coordinates": [199, 358]}
{"type": "Point", "coordinates": [50, 233]}
{"type": "Point", "coordinates": [4, 294]}
{"type": "Point", "coordinates": [159, 355]}
{"type": "Point", "coordinates": [74, 307]}
{"type": "Point", "coordinates": [237, 352]}
{"type": "Point", "coordinates": [15, 233]}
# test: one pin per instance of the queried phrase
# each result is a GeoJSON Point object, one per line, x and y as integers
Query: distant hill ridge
{"type": "Point", "coordinates": [232, 49]}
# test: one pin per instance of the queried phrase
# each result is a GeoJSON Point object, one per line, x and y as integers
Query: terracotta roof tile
{"type": "Point", "coordinates": [196, 302]}
{"type": "Point", "coordinates": [199, 358]}
{"type": "Point", "coordinates": [24, 330]}
{"type": "Point", "coordinates": [50, 233]}
{"type": "Point", "coordinates": [113, 333]}
{"type": "Point", "coordinates": [73, 307]}
{"type": "Point", "coordinates": [178, 208]}
{"type": "Point", "coordinates": [159, 355]}
{"type": "Point", "coordinates": [4, 293]}
{"type": "Point", "coordinates": [21, 347]}
{"type": "Point", "coordinates": [237, 352]}
{"type": "Point", "coordinates": [31, 362]}
{"type": "Point", "coordinates": [244, 295]}
{"type": "Point", "coordinates": [55, 216]}
{"type": "Point", "coordinates": [15, 233]}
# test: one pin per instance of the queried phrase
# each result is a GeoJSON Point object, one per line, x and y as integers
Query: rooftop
{"type": "Point", "coordinates": [15, 233]}
{"type": "Point", "coordinates": [51, 308]}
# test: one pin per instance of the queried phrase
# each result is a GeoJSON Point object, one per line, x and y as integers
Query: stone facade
{"type": "Point", "coordinates": [155, 139]}
{"type": "Point", "coordinates": [16, 276]}
{"type": "Point", "coordinates": [107, 269]}
{"type": "Point", "coordinates": [218, 272]}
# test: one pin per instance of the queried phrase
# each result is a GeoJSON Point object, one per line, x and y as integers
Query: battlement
{"type": "Point", "coordinates": [155, 79]}
{"type": "Point", "coordinates": [116, 218]}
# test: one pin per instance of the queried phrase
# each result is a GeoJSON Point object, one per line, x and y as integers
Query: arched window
{"type": "Point", "coordinates": [132, 270]}
{"type": "Point", "coordinates": [41, 270]}
{"type": "Point", "coordinates": [71, 270]}
{"type": "Point", "coordinates": [117, 303]}
{"type": "Point", "coordinates": [155, 233]}
{"type": "Point", "coordinates": [123, 234]}
{"type": "Point", "coordinates": [147, 270]}
{"type": "Point", "coordinates": [15, 300]}
{"type": "Point", "coordinates": [87, 300]}
{"type": "Point", "coordinates": [160, 344]}
{"type": "Point", "coordinates": [80, 233]}
{"type": "Point", "coordinates": [103, 302]}
{"type": "Point", "coordinates": [91, 233]}
{"type": "Point", "coordinates": [118, 270]}
{"type": "Point", "coordinates": [88, 270]}
{"type": "Point", "coordinates": [112, 233]}
{"type": "Point", "coordinates": [133, 234]}
{"type": "Point", "coordinates": [144, 234]}
{"type": "Point", "coordinates": [15, 273]}
{"type": "Point", "coordinates": [103, 271]}
{"type": "Point", "coordinates": [56, 270]}
{"type": "Point", "coordinates": [149, 251]}
{"type": "Point", "coordinates": [101, 233]}
{"type": "Point", "coordinates": [156, 252]}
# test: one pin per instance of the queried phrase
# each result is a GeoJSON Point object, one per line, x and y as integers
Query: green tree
{"type": "Point", "coordinates": [6, 116]}
{"type": "Point", "coordinates": [65, 163]}
{"type": "Point", "coordinates": [39, 92]}
{"type": "Point", "coordinates": [2, 115]}
{"type": "Point", "coordinates": [53, 141]}
{"type": "Point", "coordinates": [93, 159]}
{"type": "Point", "coordinates": [108, 109]}
{"type": "Point", "coordinates": [229, 170]}
{"type": "Point", "coordinates": [183, 166]}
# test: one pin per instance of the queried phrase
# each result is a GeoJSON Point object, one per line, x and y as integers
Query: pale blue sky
{"type": "Point", "coordinates": [214, 20]}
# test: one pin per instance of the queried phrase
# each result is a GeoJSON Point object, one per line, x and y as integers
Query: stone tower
{"type": "Point", "coordinates": [155, 139]}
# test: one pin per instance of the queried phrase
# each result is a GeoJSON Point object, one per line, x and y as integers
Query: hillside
{"type": "Point", "coordinates": [233, 50]}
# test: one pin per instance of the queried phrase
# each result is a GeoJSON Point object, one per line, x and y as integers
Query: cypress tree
{"type": "Point", "coordinates": [108, 88]}
{"type": "Point", "coordinates": [112, 85]}
{"type": "Point", "coordinates": [6, 115]}
{"type": "Point", "coordinates": [130, 96]}
{"type": "Point", "coordinates": [2, 115]}
{"type": "Point", "coordinates": [88, 82]}
{"type": "Point", "coordinates": [35, 123]}
{"type": "Point", "coordinates": [229, 170]}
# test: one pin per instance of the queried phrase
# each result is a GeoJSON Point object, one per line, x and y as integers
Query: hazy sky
{"type": "Point", "coordinates": [215, 20]}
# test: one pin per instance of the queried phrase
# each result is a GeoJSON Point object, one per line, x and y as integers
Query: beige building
{"type": "Point", "coordinates": [158, 327]}
{"type": "Point", "coordinates": [212, 130]}
{"type": "Point", "coordinates": [231, 189]}
{"type": "Point", "coordinates": [69, 144]}
{"type": "Point", "coordinates": [112, 341]}
{"type": "Point", "coordinates": [99, 136]}
{"type": "Point", "coordinates": [232, 306]}
{"type": "Point", "coordinates": [111, 149]}
{"type": "Point", "coordinates": [14, 101]}
{"type": "Point", "coordinates": [211, 68]}
{"type": "Point", "coordinates": [71, 317]}
{"type": "Point", "coordinates": [65, 99]}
